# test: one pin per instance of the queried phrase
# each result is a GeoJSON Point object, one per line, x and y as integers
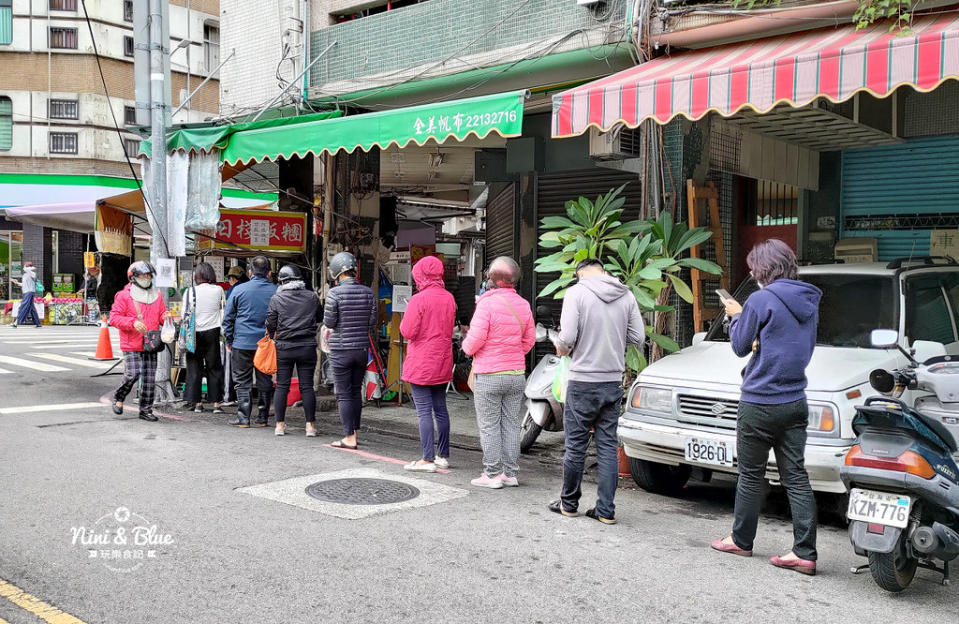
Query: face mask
{"type": "Point", "coordinates": [144, 282]}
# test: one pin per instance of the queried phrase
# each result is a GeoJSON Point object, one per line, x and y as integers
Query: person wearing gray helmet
{"type": "Point", "coordinates": [351, 313]}
{"type": "Point", "coordinates": [292, 319]}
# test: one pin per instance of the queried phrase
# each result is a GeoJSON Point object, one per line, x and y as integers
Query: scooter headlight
{"type": "Point", "coordinates": [823, 420]}
{"type": "Point", "coordinates": [652, 399]}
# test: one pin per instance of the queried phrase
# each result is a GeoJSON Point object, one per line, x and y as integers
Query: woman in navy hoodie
{"type": "Point", "coordinates": [777, 325]}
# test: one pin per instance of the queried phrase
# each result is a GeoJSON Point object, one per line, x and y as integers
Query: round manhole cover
{"type": "Point", "coordinates": [359, 491]}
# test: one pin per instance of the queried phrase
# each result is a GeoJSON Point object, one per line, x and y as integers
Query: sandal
{"type": "Point", "coordinates": [340, 444]}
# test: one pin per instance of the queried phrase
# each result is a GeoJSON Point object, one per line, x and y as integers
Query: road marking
{"type": "Point", "coordinates": [67, 345]}
{"type": "Point", "coordinates": [40, 366]}
{"type": "Point", "coordinates": [382, 458]}
{"type": "Point", "coordinates": [87, 354]}
{"type": "Point", "coordinates": [46, 612]}
{"type": "Point", "coordinates": [56, 407]}
{"type": "Point", "coordinates": [40, 341]}
{"type": "Point", "coordinates": [4, 371]}
{"type": "Point", "coordinates": [56, 357]}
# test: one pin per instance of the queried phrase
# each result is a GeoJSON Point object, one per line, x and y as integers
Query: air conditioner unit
{"type": "Point", "coordinates": [856, 250]}
{"type": "Point", "coordinates": [618, 144]}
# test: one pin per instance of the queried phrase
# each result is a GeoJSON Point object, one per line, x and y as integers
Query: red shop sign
{"type": "Point", "coordinates": [259, 229]}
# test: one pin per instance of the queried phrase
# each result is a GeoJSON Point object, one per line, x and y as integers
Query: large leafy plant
{"type": "Point", "coordinates": [646, 254]}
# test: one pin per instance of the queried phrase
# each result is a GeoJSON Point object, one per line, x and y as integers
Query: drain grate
{"type": "Point", "coordinates": [360, 491]}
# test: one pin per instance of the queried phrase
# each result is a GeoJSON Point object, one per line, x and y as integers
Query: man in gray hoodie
{"type": "Point", "coordinates": [600, 317]}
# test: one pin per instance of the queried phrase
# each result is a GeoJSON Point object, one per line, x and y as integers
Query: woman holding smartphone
{"type": "Point", "coordinates": [777, 325]}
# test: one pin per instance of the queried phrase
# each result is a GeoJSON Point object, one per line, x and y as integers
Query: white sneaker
{"type": "Point", "coordinates": [442, 462]}
{"type": "Point", "coordinates": [418, 467]}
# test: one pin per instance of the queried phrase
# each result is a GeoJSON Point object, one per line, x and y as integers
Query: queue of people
{"type": "Point", "coordinates": [777, 325]}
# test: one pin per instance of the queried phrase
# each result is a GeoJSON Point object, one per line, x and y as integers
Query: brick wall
{"type": "Point", "coordinates": [67, 166]}
{"type": "Point", "coordinates": [203, 6]}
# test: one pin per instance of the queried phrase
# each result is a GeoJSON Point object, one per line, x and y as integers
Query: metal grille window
{"type": "Point", "coordinates": [131, 147]}
{"type": "Point", "coordinates": [64, 109]}
{"type": "Point", "coordinates": [63, 5]}
{"type": "Point", "coordinates": [211, 46]}
{"type": "Point", "coordinates": [129, 116]}
{"type": "Point", "coordinates": [6, 22]}
{"type": "Point", "coordinates": [63, 142]}
{"type": "Point", "coordinates": [771, 203]}
{"type": "Point", "coordinates": [6, 123]}
{"type": "Point", "coordinates": [127, 10]}
{"type": "Point", "coordinates": [128, 46]}
{"type": "Point", "coordinates": [65, 38]}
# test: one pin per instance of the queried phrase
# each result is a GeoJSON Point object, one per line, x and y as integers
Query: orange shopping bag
{"type": "Point", "coordinates": [265, 358]}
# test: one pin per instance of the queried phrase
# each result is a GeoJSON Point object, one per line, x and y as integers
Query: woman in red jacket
{"type": "Point", "coordinates": [137, 309]}
{"type": "Point", "coordinates": [428, 367]}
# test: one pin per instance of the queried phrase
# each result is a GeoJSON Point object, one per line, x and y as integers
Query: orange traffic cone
{"type": "Point", "coordinates": [104, 348]}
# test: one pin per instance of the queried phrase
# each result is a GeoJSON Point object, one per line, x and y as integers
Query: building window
{"type": "Point", "coordinates": [131, 147]}
{"type": "Point", "coordinates": [771, 203]}
{"type": "Point", "coordinates": [63, 142]}
{"type": "Point", "coordinates": [63, 38]}
{"type": "Point", "coordinates": [128, 46]}
{"type": "Point", "coordinates": [128, 11]}
{"type": "Point", "coordinates": [63, 5]}
{"type": "Point", "coordinates": [6, 123]}
{"type": "Point", "coordinates": [211, 46]}
{"type": "Point", "coordinates": [64, 109]}
{"type": "Point", "coordinates": [6, 22]}
{"type": "Point", "coordinates": [129, 116]}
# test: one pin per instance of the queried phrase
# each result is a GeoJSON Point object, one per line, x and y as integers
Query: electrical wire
{"type": "Point", "coordinates": [116, 124]}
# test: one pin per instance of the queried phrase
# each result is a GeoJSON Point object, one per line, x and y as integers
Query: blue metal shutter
{"type": "Point", "coordinates": [899, 193]}
{"type": "Point", "coordinates": [6, 22]}
{"type": "Point", "coordinates": [6, 123]}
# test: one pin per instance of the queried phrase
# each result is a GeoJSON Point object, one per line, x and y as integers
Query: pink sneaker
{"type": "Point", "coordinates": [508, 481]}
{"type": "Point", "coordinates": [493, 483]}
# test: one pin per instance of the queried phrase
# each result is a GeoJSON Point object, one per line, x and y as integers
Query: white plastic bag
{"type": "Point", "coordinates": [168, 331]}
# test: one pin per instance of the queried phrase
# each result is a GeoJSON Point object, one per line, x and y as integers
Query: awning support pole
{"type": "Point", "coordinates": [295, 81]}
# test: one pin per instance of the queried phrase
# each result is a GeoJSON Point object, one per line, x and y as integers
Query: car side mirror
{"type": "Point", "coordinates": [698, 338]}
{"type": "Point", "coordinates": [884, 338]}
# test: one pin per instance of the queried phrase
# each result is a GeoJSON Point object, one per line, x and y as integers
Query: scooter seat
{"type": "Point", "coordinates": [940, 430]}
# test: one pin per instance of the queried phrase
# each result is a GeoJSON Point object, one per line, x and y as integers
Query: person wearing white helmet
{"type": "Point", "coordinates": [351, 312]}
{"type": "Point", "coordinates": [138, 309]}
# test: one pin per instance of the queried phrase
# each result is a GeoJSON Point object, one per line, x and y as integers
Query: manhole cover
{"type": "Point", "coordinates": [362, 491]}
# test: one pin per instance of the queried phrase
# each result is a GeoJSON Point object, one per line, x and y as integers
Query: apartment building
{"type": "Point", "coordinates": [58, 141]}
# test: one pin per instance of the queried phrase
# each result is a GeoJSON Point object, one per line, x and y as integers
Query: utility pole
{"type": "Point", "coordinates": [158, 122]}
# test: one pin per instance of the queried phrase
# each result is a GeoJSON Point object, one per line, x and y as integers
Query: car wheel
{"type": "Point", "coordinates": [659, 478]}
{"type": "Point", "coordinates": [530, 431]}
{"type": "Point", "coordinates": [895, 570]}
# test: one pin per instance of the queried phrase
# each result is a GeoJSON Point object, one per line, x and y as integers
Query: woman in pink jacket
{"type": "Point", "coordinates": [428, 367]}
{"type": "Point", "coordinates": [500, 335]}
{"type": "Point", "coordinates": [137, 309]}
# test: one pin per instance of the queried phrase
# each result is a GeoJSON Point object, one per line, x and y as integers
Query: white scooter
{"type": "Point", "coordinates": [543, 411]}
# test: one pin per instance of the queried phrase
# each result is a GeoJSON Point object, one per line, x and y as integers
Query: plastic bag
{"type": "Point", "coordinates": [265, 357]}
{"type": "Point", "coordinates": [168, 331]}
{"type": "Point", "coordinates": [561, 379]}
{"type": "Point", "coordinates": [325, 333]}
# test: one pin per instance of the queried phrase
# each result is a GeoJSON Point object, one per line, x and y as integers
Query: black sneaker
{"type": "Point", "coordinates": [198, 409]}
{"type": "Point", "coordinates": [218, 410]}
{"type": "Point", "coordinates": [148, 416]}
{"type": "Point", "coordinates": [117, 408]}
{"type": "Point", "coordinates": [557, 507]}
{"type": "Point", "coordinates": [591, 513]}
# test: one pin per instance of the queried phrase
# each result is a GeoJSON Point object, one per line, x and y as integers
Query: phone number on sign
{"type": "Point", "coordinates": [486, 119]}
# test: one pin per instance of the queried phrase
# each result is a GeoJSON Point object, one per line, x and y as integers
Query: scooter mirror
{"type": "Point", "coordinates": [541, 333]}
{"type": "Point", "coordinates": [543, 312]}
{"type": "Point", "coordinates": [882, 381]}
{"type": "Point", "coordinates": [883, 338]}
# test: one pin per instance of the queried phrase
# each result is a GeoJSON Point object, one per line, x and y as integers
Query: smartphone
{"type": "Point", "coordinates": [724, 294]}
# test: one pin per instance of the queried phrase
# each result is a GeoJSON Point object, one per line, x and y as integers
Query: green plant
{"type": "Point", "coordinates": [644, 253]}
{"type": "Point", "coordinates": [868, 12]}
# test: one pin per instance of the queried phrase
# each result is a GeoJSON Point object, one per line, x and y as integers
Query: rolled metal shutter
{"type": "Point", "coordinates": [553, 191]}
{"type": "Point", "coordinates": [899, 193]}
{"type": "Point", "coordinates": [501, 225]}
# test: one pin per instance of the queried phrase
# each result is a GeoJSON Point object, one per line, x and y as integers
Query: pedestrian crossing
{"type": "Point", "coordinates": [52, 349]}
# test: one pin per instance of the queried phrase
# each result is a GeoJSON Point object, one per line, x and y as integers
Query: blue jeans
{"type": "Point", "coordinates": [430, 400]}
{"type": "Point", "coordinates": [593, 405]}
{"type": "Point", "coordinates": [27, 309]}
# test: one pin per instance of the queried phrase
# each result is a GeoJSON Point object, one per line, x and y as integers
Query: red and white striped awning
{"type": "Point", "coordinates": [832, 63]}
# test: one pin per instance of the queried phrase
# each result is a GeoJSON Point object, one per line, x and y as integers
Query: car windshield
{"type": "Point", "coordinates": [851, 307]}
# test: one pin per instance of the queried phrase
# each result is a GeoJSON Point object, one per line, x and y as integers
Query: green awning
{"type": "Point", "coordinates": [501, 113]}
{"type": "Point", "coordinates": [206, 138]}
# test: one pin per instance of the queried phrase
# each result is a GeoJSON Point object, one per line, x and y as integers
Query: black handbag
{"type": "Point", "coordinates": [152, 343]}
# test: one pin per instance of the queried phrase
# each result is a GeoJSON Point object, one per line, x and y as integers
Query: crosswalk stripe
{"type": "Point", "coordinates": [29, 409]}
{"type": "Point", "coordinates": [39, 366]}
{"type": "Point", "coordinates": [39, 341]}
{"type": "Point", "coordinates": [67, 345]}
{"type": "Point", "coordinates": [56, 357]}
{"type": "Point", "coordinates": [4, 371]}
{"type": "Point", "coordinates": [84, 353]}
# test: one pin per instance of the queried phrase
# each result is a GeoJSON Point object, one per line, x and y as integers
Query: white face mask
{"type": "Point", "coordinates": [144, 282]}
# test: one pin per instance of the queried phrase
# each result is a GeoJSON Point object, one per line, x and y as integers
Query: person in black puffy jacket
{"type": "Point", "coordinates": [351, 312]}
{"type": "Point", "coordinates": [291, 319]}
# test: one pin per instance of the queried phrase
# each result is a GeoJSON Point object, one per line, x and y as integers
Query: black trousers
{"type": "Point", "coordinates": [304, 359]}
{"type": "Point", "coordinates": [205, 362]}
{"type": "Point", "coordinates": [349, 368]}
{"type": "Point", "coordinates": [781, 428]}
{"type": "Point", "coordinates": [243, 375]}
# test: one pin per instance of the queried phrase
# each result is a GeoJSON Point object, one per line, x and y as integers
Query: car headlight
{"type": "Point", "coordinates": [652, 399]}
{"type": "Point", "coordinates": [822, 420]}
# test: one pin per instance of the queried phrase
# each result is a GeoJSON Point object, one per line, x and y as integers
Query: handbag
{"type": "Point", "coordinates": [187, 338]}
{"type": "Point", "coordinates": [152, 342]}
{"type": "Point", "coordinates": [265, 358]}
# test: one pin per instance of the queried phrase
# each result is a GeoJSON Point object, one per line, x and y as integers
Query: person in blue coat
{"type": "Point", "coordinates": [244, 323]}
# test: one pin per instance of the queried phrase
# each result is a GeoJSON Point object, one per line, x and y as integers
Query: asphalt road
{"type": "Point", "coordinates": [466, 555]}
